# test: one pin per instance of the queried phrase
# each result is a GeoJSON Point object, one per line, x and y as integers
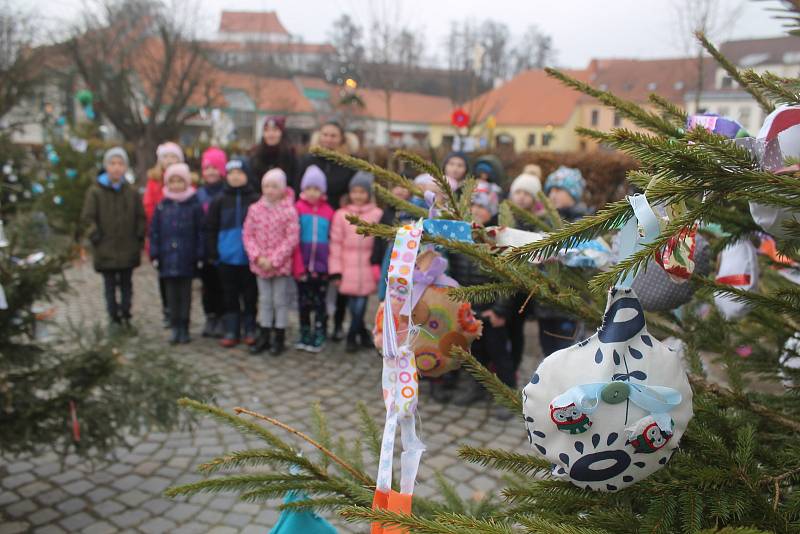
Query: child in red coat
{"type": "Point", "coordinates": [350, 264]}
{"type": "Point", "coordinates": [271, 233]}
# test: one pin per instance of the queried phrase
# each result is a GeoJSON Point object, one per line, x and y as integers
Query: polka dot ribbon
{"type": "Point", "coordinates": [400, 379]}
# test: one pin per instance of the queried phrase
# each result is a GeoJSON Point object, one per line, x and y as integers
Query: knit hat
{"type": "Point", "coordinates": [534, 169]}
{"type": "Point", "coordinates": [180, 170]}
{"type": "Point", "coordinates": [487, 200]}
{"type": "Point", "coordinates": [276, 176]}
{"type": "Point", "coordinates": [424, 179]}
{"type": "Point", "coordinates": [485, 166]}
{"type": "Point", "coordinates": [238, 163]}
{"type": "Point", "coordinates": [169, 148]}
{"type": "Point", "coordinates": [529, 183]}
{"type": "Point", "coordinates": [215, 157]}
{"type": "Point", "coordinates": [115, 152]}
{"type": "Point", "coordinates": [314, 177]}
{"type": "Point", "coordinates": [570, 180]}
{"type": "Point", "coordinates": [275, 120]}
{"type": "Point", "coordinates": [362, 179]}
{"type": "Point", "coordinates": [459, 155]}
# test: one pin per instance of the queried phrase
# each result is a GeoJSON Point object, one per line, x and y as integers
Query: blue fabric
{"type": "Point", "coordinates": [105, 181]}
{"type": "Point", "coordinates": [300, 521]}
{"type": "Point", "coordinates": [570, 180]}
{"type": "Point", "coordinates": [455, 230]}
{"type": "Point", "coordinates": [177, 239]}
{"type": "Point", "coordinates": [230, 246]}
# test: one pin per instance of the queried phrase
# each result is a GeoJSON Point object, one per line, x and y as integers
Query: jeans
{"type": "Point", "coordinates": [492, 348]}
{"type": "Point", "coordinates": [311, 298]}
{"type": "Point", "coordinates": [212, 291]}
{"type": "Point", "coordinates": [162, 290]}
{"type": "Point", "coordinates": [336, 305]}
{"type": "Point", "coordinates": [121, 279]}
{"type": "Point", "coordinates": [179, 299]}
{"type": "Point", "coordinates": [273, 301]}
{"type": "Point", "coordinates": [357, 306]}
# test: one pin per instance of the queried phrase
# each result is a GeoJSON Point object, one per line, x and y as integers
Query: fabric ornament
{"type": "Point", "coordinates": [442, 323]}
{"type": "Point", "coordinates": [610, 410]}
{"type": "Point", "coordinates": [777, 139]}
{"type": "Point", "coordinates": [738, 267]}
{"type": "Point", "coordinates": [3, 299]}
{"type": "Point", "coordinates": [790, 359]}
{"type": "Point", "coordinates": [591, 254]}
{"type": "Point", "coordinates": [304, 521]}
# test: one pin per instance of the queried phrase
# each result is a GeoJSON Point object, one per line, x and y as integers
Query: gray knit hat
{"type": "Point", "coordinates": [115, 152]}
{"type": "Point", "coordinates": [362, 179]}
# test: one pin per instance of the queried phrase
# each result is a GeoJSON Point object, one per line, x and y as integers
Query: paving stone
{"type": "Point", "coordinates": [246, 508]}
{"type": "Point", "coordinates": [238, 520]}
{"type": "Point", "coordinates": [223, 530]}
{"type": "Point", "coordinates": [211, 517]}
{"type": "Point", "coordinates": [133, 498]}
{"type": "Point", "coordinates": [100, 494]}
{"type": "Point", "coordinates": [155, 484]}
{"type": "Point", "coordinates": [107, 508]}
{"type": "Point", "coordinates": [52, 497]}
{"type": "Point", "coordinates": [70, 506]}
{"type": "Point", "coordinates": [75, 523]}
{"type": "Point", "coordinates": [146, 448]}
{"type": "Point", "coordinates": [120, 469]}
{"type": "Point", "coordinates": [101, 477]}
{"type": "Point", "coordinates": [20, 508]}
{"type": "Point", "coordinates": [43, 516]}
{"type": "Point", "coordinates": [103, 527]}
{"type": "Point", "coordinates": [47, 470]}
{"type": "Point", "coordinates": [183, 511]}
{"type": "Point", "coordinates": [267, 517]}
{"type": "Point", "coordinates": [79, 487]}
{"type": "Point", "coordinates": [14, 527]}
{"type": "Point", "coordinates": [157, 506]}
{"type": "Point", "coordinates": [157, 525]}
{"type": "Point", "coordinates": [18, 467]}
{"type": "Point", "coordinates": [67, 476]}
{"type": "Point", "coordinates": [147, 468]}
{"type": "Point", "coordinates": [49, 529]}
{"type": "Point", "coordinates": [127, 482]}
{"type": "Point", "coordinates": [191, 528]}
{"type": "Point", "coordinates": [7, 497]}
{"type": "Point", "coordinates": [129, 518]}
{"type": "Point", "coordinates": [15, 481]}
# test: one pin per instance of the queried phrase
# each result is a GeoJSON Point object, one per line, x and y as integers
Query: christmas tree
{"type": "Point", "coordinates": [738, 463]}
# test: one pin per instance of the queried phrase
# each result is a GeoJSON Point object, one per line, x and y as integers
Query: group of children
{"type": "Point", "coordinates": [250, 247]}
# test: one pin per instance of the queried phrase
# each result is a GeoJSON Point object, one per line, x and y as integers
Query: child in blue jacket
{"type": "Point", "coordinates": [177, 245]}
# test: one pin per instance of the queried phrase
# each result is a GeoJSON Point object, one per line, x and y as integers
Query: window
{"type": "Point", "coordinates": [546, 138]}
{"type": "Point", "coordinates": [531, 139]}
{"type": "Point", "coordinates": [617, 119]}
{"type": "Point", "coordinates": [652, 86]}
{"type": "Point", "coordinates": [727, 82]}
{"type": "Point", "coordinates": [595, 117]}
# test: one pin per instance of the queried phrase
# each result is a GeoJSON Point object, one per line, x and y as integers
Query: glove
{"type": "Point", "coordinates": [376, 273]}
{"type": "Point", "coordinates": [155, 263]}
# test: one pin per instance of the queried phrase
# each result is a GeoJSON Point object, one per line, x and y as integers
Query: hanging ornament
{"type": "Point", "coordinates": [37, 188]}
{"type": "Point", "coordinates": [7, 169]}
{"type": "Point", "coordinates": [26, 194]}
{"type": "Point", "coordinates": [71, 174]}
{"type": "Point", "coordinates": [611, 410]}
{"type": "Point", "coordinates": [13, 178]}
{"type": "Point", "coordinates": [12, 197]}
{"type": "Point", "coordinates": [459, 118]}
{"type": "Point", "coordinates": [58, 200]}
{"type": "Point", "coordinates": [78, 144]}
{"type": "Point", "coordinates": [53, 158]}
{"type": "Point", "coordinates": [738, 267]}
{"type": "Point", "coordinates": [61, 121]}
{"type": "Point", "coordinates": [3, 300]}
{"type": "Point", "coordinates": [86, 100]}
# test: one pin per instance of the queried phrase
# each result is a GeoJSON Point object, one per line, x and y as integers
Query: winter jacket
{"type": "Point", "coordinates": [224, 225]}
{"type": "Point", "coordinates": [153, 192]}
{"type": "Point", "coordinates": [351, 253]}
{"type": "Point", "coordinates": [264, 157]}
{"type": "Point", "coordinates": [177, 239]}
{"type": "Point", "coordinates": [311, 256]}
{"type": "Point", "coordinates": [338, 177]}
{"type": "Point", "coordinates": [272, 232]}
{"type": "Point", "coordinates": [115, 223]}
{"type": "Point", "coordinates": [209, 192]}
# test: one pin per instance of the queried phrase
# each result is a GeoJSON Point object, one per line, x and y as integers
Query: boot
{"type": "Point", "coordinates": [249, 324]}
{"type": "Point", "coordinates": [366, 339]}
{"type": "Point", "coordinates": [474, 393]}
{"type": "Point", "coordinates": [318, 341]}
{"type": "Point", "coordinates": [280, 342]}
{"type": "Point", "coordinates": [211, 325]}
{"type": "Point", "coordinates": [351, 345]}
{"type": "Point", "coordinates": [184, 333]}
{"type": "Point", "coordinates": [338, 333]}
{"type": "Point", "coordinates": [128, 328]}
{"type": "Point", "coordinates": [306, 341]}
{"type": "Point", "coordinates": [175, 338]}
{"type": "Point", "coordinates": [219, 329]}
{"type": "Point", "coordinates": [166, 323]}
{"type": "Point", "coordinates": [231, 337]}
{"type": "Point", "coordinates": [263, 342]}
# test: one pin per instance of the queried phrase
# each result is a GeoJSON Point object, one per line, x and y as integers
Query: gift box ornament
{"type": "Point", "coordinates": [442, 323]}
{"type": "Point", "coordinates": [610, 410]}
{"type": "Point", "coordinates": [591, 254]}
{"type": "Point", "coordinates": [738, 267]}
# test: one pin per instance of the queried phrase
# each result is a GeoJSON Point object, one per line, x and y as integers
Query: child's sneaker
{"type": "Point", "coordinates": [306, 341]}
{"type": "Point", "coordinates": [318, 342]}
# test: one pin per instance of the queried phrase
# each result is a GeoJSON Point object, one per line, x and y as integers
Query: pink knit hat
{"type": "Point", "coordinates": [215, 157]}
{"type": "Point", "coordinates": [181, 170]}
{"type": "Point", "coordinates": [169, 148]}
{"type": "Point", "coordinates": [276, 176]}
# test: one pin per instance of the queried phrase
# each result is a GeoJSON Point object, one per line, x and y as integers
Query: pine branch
{"type": "Point", "coordinates": [419, 163]}
{"type": "Point", "coordinates": [381, 174]}
{"type": "Point", "coordinates": [483, 293]}
{"type": "Point", "coordinates": [316, 504]}
{"type": "Point", "coordinates": [626, 108]}
{"type": "Point", "coordinates": [281, 482]}
{"type": "Point", "coordinates": [502, 394]}
{"type": "Point", "coordinates": [526, 218]}
{"type": "Point", "coordinates": [522, 464]}
{"type": "Point", "coordinates": [439, 524]}
{"type": "Point", "coordinates": [247, 458]}
{"type": "Point", "coordinates": [782, 90]}
{"type": "Point", "coordinates": [361, 477]}
{"type": "Point", "coordinates": [321, 432]}
{"type": "Point", "coordinates": [386, 196]}
{"type": "Point", "coordinates": [673, 111]}
{"type": "Point", "coordinates": [734, 73]}
{"type": "Point", "coordinates": [552, 212]}
{"type": "Point", "coordinates": [370, 429]}
{"type": "Point", "coordinates": [541, 526]}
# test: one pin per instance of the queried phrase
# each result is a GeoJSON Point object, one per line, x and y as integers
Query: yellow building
{"type": "Point", "coordinates": [530, 112]}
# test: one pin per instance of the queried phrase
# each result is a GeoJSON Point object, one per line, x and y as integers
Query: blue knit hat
{"type": "Point", "coordinates": [238, 163]}
{"type": "Point", "coordinates": [485, 166]}
{"type": "Point", "coordinates": [459, 155]}
{"type": "Point", "coordinates": [570, 180]}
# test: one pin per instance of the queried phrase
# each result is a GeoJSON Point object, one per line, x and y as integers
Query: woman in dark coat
{"type": "Point", "coordinates": [272, 152]}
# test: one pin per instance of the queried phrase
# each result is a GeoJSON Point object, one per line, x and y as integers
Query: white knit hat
{"type": "Point", "coordinates": [529, 183]}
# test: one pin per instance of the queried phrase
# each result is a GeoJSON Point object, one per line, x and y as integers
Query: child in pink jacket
{"type": "Point", "coordinates": [271, 233]}
{"type": "Point", "coordinates": [349, 264]}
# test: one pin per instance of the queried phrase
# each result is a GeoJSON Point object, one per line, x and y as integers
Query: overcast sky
{"type": "Point", "coordinates": [581, 29]}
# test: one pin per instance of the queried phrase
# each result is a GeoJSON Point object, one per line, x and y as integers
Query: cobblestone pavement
{"type": "Point", "coordinates": [50, 494]}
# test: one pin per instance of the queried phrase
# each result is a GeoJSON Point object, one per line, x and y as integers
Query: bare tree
{"type": "Point", "coordinates": [534, 50]}
{"type": "Point", "coordinates": [408, 50]}
{"type": "Point", "coordinates": [494, 39]}
{"type": "Point", "coordinates": [148, 73]}
{"type": "Point", "coordinates": [461, 46]}
{"type": "Point", "coordinates": [20, 62]}
{"type": "Point", "coordinates": [347, 37]}
{"type": "Point", "coordinates": [715, 18]}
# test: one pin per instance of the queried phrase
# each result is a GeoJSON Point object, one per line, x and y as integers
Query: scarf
{"type": "Point", "coordinates": [179, 197]}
